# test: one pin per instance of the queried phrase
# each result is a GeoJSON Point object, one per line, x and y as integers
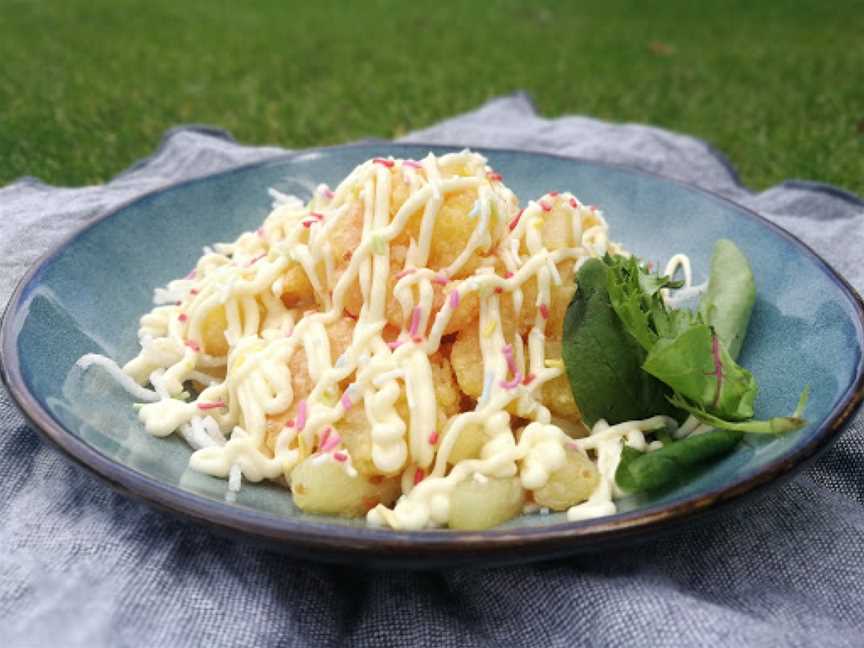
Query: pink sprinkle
{"type": "Point", "coordinates": [193, 291]}
{"type": "Point", "coordinates": [395, 344]}
{"type": "Point", "coordinates": [332, 443]}
{"type": "Point", "coordinates": [260, 232]}
{"type": "Point", "coordinates": [512, 384]}
{"type": "Point", "coordinates": [213, 405]}
{"type": "Point", "coordinates": [528, 379]}
{"type": "Point", "coordinates": [440, 279]}
{"type": "Point", "coordinates": [454, 300]}
{"type": "Point", "coordinates": [544, 311]}
{"type": "Point", "coordinates": [499, 290]}
{"type": "Point", "coordinates": [326, 192]}
{"type": "Point", "coordinates": [405, 272]}
{"type": "Point", "coordinates": [494, 177]}
{"type": "Point", "coordinates": [571, 445]}
{"type": "Point", "coordinates": [346, 402]}
{"type": "Point", "coordinates": [191, 274]}
{"type": "Point", "coordinates": [302, 413]}
{"type": "Point", "coordinates": [340, 456]}
{"type": "Point", "coordinates": [314, 217]}
{"type": "Point", "coordinates": [182, 317]}
{"type": "Point", "coordinates": [255, 260]}
{"type": "Point", "coordinates": [433, 438]}
{"type": "Point", "coordinates": [593, 208]}
{"type": "Point", "coordinates": [418, 476]}
{"type": "Point", "coordinates": [417, 339]}
{"type": "Point", "coordinates": [515, 221]}
{"type": "Point", "coordinates": [324, 436]}
{"type": "Point", "coordinates": [552, 194]}
{"type": "Point", "coordinates": [545, 206]}
{"type": "Point", "coordinates": [574, 203]}
{"type": "Point", "coordinates": [507, 350]}
{"type": "Point", "coordinates": [386, 163]}
{"type": "Point", "coordinates": [508, 274]}
{"type": "Point", "coordinates": [416, 314]}
{"type": "Point", "coordinates": [412, 164]}
{"type": "Point", "coordinates": [192, 344]}
{"type": "Point", "coordinates": [289, 423]}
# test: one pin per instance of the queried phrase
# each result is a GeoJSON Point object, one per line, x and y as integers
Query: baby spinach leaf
{"type": "Point", "coordinates": [728, 301]}
{"type": "Point", "coordinates": [602, 360]}
{"type": "Point", "coordinates": [697, 366]}
{"type": "Point", "coordinates": [650, 471]}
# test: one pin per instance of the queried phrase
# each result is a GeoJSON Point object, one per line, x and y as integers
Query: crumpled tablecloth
{"type": "Point", "coordinates": [82, 566]}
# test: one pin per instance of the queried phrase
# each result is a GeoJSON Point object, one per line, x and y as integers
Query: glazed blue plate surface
{"type": "Point", "coordinates": [88, 294]}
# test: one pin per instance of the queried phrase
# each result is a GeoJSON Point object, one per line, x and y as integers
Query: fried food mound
{"type": "Point", "coordinates": [395, 339]}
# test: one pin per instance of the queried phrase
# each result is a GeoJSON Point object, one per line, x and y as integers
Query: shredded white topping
{"type": "Point", "coordinates": [134, 389]}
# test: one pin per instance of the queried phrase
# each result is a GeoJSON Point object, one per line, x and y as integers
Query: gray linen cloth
{"type": "Point", "coordinates": [82, 566]}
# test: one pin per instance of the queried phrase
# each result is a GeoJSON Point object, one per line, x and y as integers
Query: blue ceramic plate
{"type": "Point", "coordinates": [87, 295]}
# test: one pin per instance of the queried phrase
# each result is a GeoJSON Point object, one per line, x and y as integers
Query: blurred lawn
{"type": "Point", "coordinates": [86, 87]}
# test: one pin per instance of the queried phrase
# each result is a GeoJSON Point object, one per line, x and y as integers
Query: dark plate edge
{"type": "Point", "coordinates": [347, 542]}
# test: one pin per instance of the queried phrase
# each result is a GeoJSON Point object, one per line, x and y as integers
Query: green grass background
{"type": "Point", "coordinates": [87, 87]}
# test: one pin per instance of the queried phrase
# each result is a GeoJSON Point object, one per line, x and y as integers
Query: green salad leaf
{"type": "Point", "coordinates": [629, 356]}
{"type": "Point", "coordinates": [635, 295]}
{"type": "Point", "coordinates": [673, 463]}
{"type": "Point", "coordinates": [697, 366]}
{"type": "Point", "coordinates": [603, 362]}
{"type": "Point", "coordinates": [729, 298]}
{"type": "Point", "coordinates": [776, 425]}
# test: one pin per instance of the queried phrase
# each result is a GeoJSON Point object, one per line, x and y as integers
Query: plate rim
{"type": "Point", "coordinates": [344, 542]}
